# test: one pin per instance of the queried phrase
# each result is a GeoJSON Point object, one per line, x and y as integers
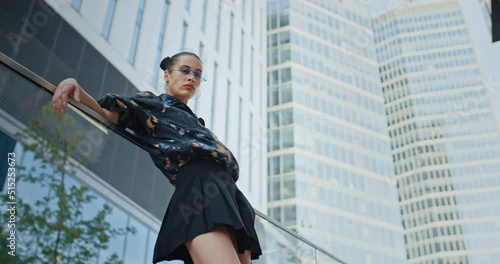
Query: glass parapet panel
{"type": "Point", "coordinates": [116, 160]}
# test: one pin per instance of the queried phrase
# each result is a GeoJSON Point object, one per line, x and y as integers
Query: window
{"type": "Point", "coordinates": [289, 187]}
{"type": "Point", "coordinates": [250, 154]}
{"type": "Point", "coordinates": [228, 109]}
{"type": "Point", "coordinates": [109, 19]}
{"type": "Point", "coordinates": [214, 94]}
{"type": "Point", "coordinates": [204, 15]}
{"type": "Point", "coordinates": [240, 117]}
{"type": "Point", "coordinates": [159, 47]}
{"type": "Point", "coordinates": [241, 56]}
{"type": "Point", "coordinates": [76, 4]}
{"type": "Point", "coordinates": [135, 252]}
{"type": "Point", "coordinates": [184, 33]}
{"type": "Point", "coordinates": [251, 74]}
{"type": "Point", "coordinates": [217, 34]}
{"type": "Point", "coordinates": [230, 40]}
{"type": "Point", "coordinates": [290, 215]}
{"type": "Point", "coordinates": [252, 18]}
{"type": "Point", "coordinates": [135, 36]}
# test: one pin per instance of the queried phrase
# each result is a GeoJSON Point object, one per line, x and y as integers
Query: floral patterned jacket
{"type": "Point", "coordinates": [175, 135]}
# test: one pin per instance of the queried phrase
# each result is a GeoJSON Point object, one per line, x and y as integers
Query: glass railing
{"type": "Point", "coordinates": [111, 158]}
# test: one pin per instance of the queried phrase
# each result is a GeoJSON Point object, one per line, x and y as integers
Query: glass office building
{"type": "Point", "coordinates": [330, 173]}
{"type": "Point", "coordinates": [486, 10]}
{"type": "Point", "coordinates": [444, 139]}
{"type": "Point", "coordinates": [115, 46]}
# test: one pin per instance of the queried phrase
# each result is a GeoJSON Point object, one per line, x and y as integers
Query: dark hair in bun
{"type": "Point", "coordinates": [168, 61]}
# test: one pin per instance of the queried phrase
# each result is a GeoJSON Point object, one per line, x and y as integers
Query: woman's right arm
{"type": "Point", "coordinates": [70, 88]}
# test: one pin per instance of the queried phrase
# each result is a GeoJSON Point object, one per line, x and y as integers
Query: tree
{"type": "Point", "coordinates": [54, 229]}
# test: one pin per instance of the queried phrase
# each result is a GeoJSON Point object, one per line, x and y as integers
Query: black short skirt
{"type": "Point", "coordinates": [205, 194]}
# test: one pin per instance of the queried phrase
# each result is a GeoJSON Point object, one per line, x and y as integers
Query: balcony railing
{"type": "Point", "coordinates": [24, 94]}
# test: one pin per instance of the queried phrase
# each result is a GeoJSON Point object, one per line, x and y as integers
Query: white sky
{"type": "Point", "coordinates": [488, 53]}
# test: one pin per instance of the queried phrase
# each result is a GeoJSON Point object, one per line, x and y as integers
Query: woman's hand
{"type": "Point", "coordinates": [70, 88]}
{"type": "Point", "coordinates": [67, 88]}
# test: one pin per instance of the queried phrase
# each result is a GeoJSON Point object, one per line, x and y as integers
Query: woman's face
{"type": "Point", "coordinates": [180, 79]}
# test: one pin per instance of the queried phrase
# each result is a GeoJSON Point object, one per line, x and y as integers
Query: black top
{"type": "Point", "coordinates": [175, 135]}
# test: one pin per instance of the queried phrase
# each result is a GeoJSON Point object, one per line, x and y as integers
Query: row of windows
{"type": "Point", "coordinates": [423, 22]}
{"type": "Point", "coordinates": [455, 119]}
{"type": "Point", "coordinates": [323, 83]}
{"type": "Point", "coordinates": [336, 7]}
{"type": "Point", "coordinates": [284, 214]}
{"type": "Point", "coordinates": [474, 155]}
{"type": "Point", "coordinates": [428, 41]}
{"type": "Point", "coordinates": [282, 94]}
{"type": "Point", "coordinates": [344, 108]}
{"type": "Point", "coordinates": [446, 204]}
{"type": "Point", "coordinates": [432, 61]}
{"type": "Point", "coordinates": [457, 106]}
{"type": "Point", "coordinates": [309, 124]}
{"type": "Point", "coordinates": [414, 181]}
{"type": "Point", "coordinates": [156, 81]}
{"type": "Point", "coordinates": [349, 110]}
{"type": "Point", "coordinates": [422, 46]}
{"type": "Point", "coordinates": [322, 57]}
{"type": "Point", "coordinates": [436, 247]}
{"type": "Point", "coordinates": [415, 132]}
{"type": "Point", "coordinates": [278, 20]}
{"type": "Point", "coordinates": [281, 164]}
{"type": "Point", "coordinates": [432, 232]}
{"type": "Point", "coordinates": [340, 177]}
{"type": "Point", "coordinates": [477, 198]}
{"type": "Point", "coordinates": [493, 211]}
{"type": "Point", "coordinates": [346, 200]}
{"type": "Point", "coordinates": [280, 139]}
{"type": "Point", "coordinates": [345, 36]}
{"type": "Point", "coordinates": [475, 169]}
{"type": "Point", "coordinates": [346, 135]}
{"type": "Point", "coordinates": [338, 225]}
{"type": "Point", "coordinates": [419, 105]}
{"type": "Point", "coordinates": [415, 220]}
{"type": "Point", "coordinates": [398, 66]}
{"type": "Point", "coordinates": [420, 189]}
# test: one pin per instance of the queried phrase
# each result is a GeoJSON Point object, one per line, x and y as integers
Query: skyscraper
{"type": "Point", "coordinates": [445, 144]}
{"type": "Point", "coordinates": [486, 10]}
{"type": "Point", "coordinates": [329, 164]}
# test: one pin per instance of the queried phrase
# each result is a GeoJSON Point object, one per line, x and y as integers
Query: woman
{"type": "Point", "coordinates": [208, 219]}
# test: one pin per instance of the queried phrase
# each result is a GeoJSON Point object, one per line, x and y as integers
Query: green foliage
{"type": "Point", "coordinates": [54, 229]}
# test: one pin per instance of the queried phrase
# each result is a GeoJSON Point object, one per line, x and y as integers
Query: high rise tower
{"type": "Point", "coordinates": [445, 145]}
{"type": "Point", "coordinates": [329, 166]}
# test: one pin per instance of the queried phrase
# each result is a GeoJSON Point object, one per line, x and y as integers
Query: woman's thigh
{"type": "Point", "coordinates": [215, 246]}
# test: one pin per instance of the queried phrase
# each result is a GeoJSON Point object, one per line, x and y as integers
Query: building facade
{"type": "Point", "coordinates": [444, 138]}
{"type": "Point", "coordinates": [330, 173]}
{"type": "Point", "coordinates": [134, 36]}
{"type": "Point", "coordinates": [486, 10]}
{"type": "Point", "coordinates": [116, 46]}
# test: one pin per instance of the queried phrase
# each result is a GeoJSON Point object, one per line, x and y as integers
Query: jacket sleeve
{"type": "Point", "coordinates": [130, 114]}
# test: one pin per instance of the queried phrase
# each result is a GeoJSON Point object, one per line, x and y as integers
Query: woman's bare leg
{"type": "Point", "coordinates": [213, 247]}
{"type": "Point", "coordinates": [245, 257]}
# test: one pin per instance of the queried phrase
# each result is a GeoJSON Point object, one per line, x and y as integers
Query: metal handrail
{"type": "Point", "coordinates": [87, 112]}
